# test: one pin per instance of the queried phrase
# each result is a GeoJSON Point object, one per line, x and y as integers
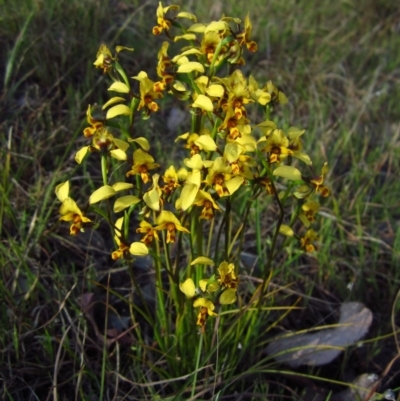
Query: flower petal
{"type": "Point", "coordinates": [138, 249]}
{"type": "Point", "coordinates": [121, 186]}
{"type": "Point", "coordinates": [188, 288]}
{"type": "Point", "coordinates": [203, 102]}
{"type": "Point", "coordinates": [102, 193]}
{"type": "Point", "coordinates": [190, 66]}
{"type": "Point", "coordinates": [118, 110]}
{"type": "Point", "coordinates": [81, 153]}
{"type": "Point", "coordinates": [62, 191]}
{"type": "Point", "coordinates": [124, 202]}
{"type": "Point", "coordinates": [289, 172]}
{"type": "Point", "coordinates": [203, 260]}
{"type": "Point", "coordinates": [119, 87]}
{"type": "Point", "coordinates": [228, 297]}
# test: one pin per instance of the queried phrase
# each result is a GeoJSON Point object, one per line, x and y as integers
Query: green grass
{"type": "Point", "coordinates": [338, 63]}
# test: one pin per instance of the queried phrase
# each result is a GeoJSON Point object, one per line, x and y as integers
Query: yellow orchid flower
{"type": "Point", "coordinates": [205, 200]}
{"type": "Point", "coordinates": [308, 212]}
{"type": "Point", "coordinates": [244, 37]}
{"type": "Point", "coordinates": [306, 241]}
{"type": "Point", "coordinates": [104, 58]}
{"type": "Point", "coordinates": [261, 96]}
{"type": "Point", "coordinates": [277, 96]}
{"type": "Point", "coordinates": [206, 309]}
{"type": "Point", "coordinates": [69, 210]}
{"type": "Point", "coordinates": [152, 197]}
{"type": "Point", "coordinates": [220, 178]}
{"type": "Point", "coordinates": [228, 276]}
{"type": "Point", "coordinates": [142, 163]}
{"type": "Point", "coordinates": [123, 248]}
{"type": "Point", "coordinates": [94, 124]}
{"type": "Point", "coordinates": [147, 94]}
{"type": "Point", "coordinates": [277, 146]}
{"type": "Point", "coordinates": [164, 63]}
{"type": "Point", "coordinates": [317, 182]}
{"type": "Point", "coordinates": [162, 21]}
{"type": "Point", "coordinates": [168, 221]}
{"type": "Point", "coordinates": [104, 141]}
{"type": "Point", "coordinates": [150, 232]}
{"type": "Point", "coordinates": [171, 180]}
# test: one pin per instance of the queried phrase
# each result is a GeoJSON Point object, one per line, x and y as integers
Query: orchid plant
{"type": "Point", "coordinates": [168, 208]}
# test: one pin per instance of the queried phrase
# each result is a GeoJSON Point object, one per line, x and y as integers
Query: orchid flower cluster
{"type": "Point", "coordinates": [226, 154]}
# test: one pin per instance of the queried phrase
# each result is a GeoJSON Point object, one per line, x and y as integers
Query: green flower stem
{"type": "Point", "coordinates": [273, 245]}
{"type": "Point", "coordinates": [104, 169]}
{"type": "Point", "coordinates": [199, 348]}
{"type": "Point", "coordinates": [210, 236]}
{"type": "Point", "coordinates": [228, 227]}
{"type": "Point", "coordinates": [105, 352]}
{"type": "Point", "coordinates": [161, 310]}
{"type": "Point", "coordinates": [134, 106]}
{"type": "Point", "coordinates": [216, 54]}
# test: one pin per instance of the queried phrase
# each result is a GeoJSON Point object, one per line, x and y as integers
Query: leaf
{"type": "Point", "coordinates": [320, 348]}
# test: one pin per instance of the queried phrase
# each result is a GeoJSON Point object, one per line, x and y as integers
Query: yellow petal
{"type": "Point", "coordinates": [234, 184]}
{"type": "Point", "coordinates": [203, 284]}
{"type": "Point", "coordinates": [138, 249]}
{"type": "Point", "coordinates": [113, 100]}
{"type": "Point", "coordinates": [203, 260]}
{"type": "Point", "coordinates": [289, 172]}
{"type": "Point", "coordinates": [121, 48]}
{"type": "Point", "coordinates": [188, 195]}
{"type": "Point", "coordinates": [195, 162]}
{"type": "Point", "coordinates": [184, 14]}
{"type": "Point", "coordinates": [232, 152]}
{"type": "Point", "coordinates": [216, 26]}
{"type": "Point", "coordinates": [124, 202]}
{"type": "Point", "coordinates": [70, 208]}
{"type": "Point", "coordinates": [186, 53]}
{"type": "Point", "coordinates": [81, 153]}
{"type": "Point", "coordinates": [102, 193]}
{"type": "Point", "coordinates": [119, 143]}
{"type": "Point", "coordinates": [143, 142]}
{"type": "Point", "coordinates": [121, 186]}
{"type": "Point", "coordinates": [119, 87]}
{"type": "Point", "coordinates": [152, 199]}
{"type": "Point", "coordinates": [118, 110]}
{"type": "Point", "coordinates": [118, 154]}
{"type": "Point", "coordinates": [62, 191]}
{"type": "Point", "coordinates": [228, 297]}
{"type": "Point", "coordinates": [205, 303]}
{"type": "Point", "coordinates": [190, 66]}
{"type": "Point", "coordinates": [198, 28]}
{"type": "Point", "coordinates": [286, 230]}
{"type": "Point", "coordinates": [186, 36]}
{"type": "Point", "coordinates": [206, 142]}
{"type": "Point", "coordinates": [203, 102]}
{"type": "Point", "coordinates": [188, 288]}
{"type": "Point", "coordinates": [215, 90]}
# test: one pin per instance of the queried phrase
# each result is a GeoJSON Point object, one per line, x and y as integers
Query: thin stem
{"type": "Point", "coordinates": [197, 364]}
